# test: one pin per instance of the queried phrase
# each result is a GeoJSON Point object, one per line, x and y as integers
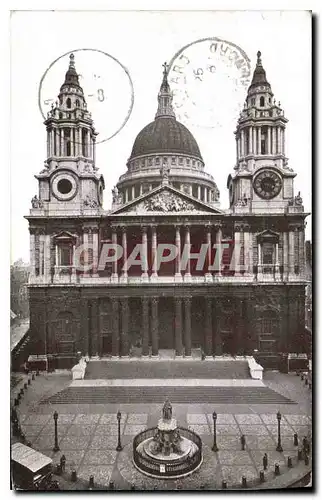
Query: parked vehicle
{"type": "Point", "coordinates": [30, 469]}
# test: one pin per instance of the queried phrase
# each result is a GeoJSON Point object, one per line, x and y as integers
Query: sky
{"type": "Point", "coordinates": [122, 87]}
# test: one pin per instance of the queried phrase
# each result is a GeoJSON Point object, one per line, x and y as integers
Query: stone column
{"type": "Point", "coordinates": [254, 141]}
{"type": "Point", "coordinates": [57, 142]}
{"type": "Point", "coordinates": [141, 189]}
{"type": "Point", "coordinates": [259, 258]}
{"type": "Point", "coordinates": [145, 326]}
{"type": "Point", "coordinates": [47, 257]}
{"type": "Point", "coordinates": [85, 252]}
{"type": "Point", "coordinates": [302, 251]}
{"type": "Point", "coordinates": [178, 274]}
{"type": "Point", "coordinates": [126, 195]}
{"type": "Point", "coordinates": [238, 148]}
{"type": "Point", "coordinates": [124, 326]}
{"type": "Point", "coordinates": [274, 141]}
{"type": "Point", "coordinates": [250, 139]}
{"type": "Point", "coordinates": [114, 263]}
{"type": "Point", "coordinates": [259, 132]}
{"type": "Point", "coordinates": [133, 192]}
{"type": "Point", "coordinates": [88, 144]}
{"type": "Point", "coordinates": [285, 255]}
{"type": "Point", "coordinates": [94, 149]}
{"type": "Point", "coordinates": [269, 141]}
{"type": "Point", "coordinates": [208, 326]}
{"type": "Point", "coordinates": [62, 146]}
{"type": "Point", "coordinates": [56, 256]}
{"type": "Point", "coordinates": [48, 144]}
{"type": "Point", "coordinates": [95, 252]}
{"type": "Point", "coordinates": [124, 245]}
{"type": "Point", "coordinates": [237, 151]}
{"type": "Point", "coordinates": [154, 326]}
{"type": "Point", "coordinates": [237, 251]}
{"type": "Point", "coordinates": [190, 189]}
{"type": "Point", "coordinates": [208, 258]}
{"type": "Point", "coordinates": [248, 250]}
{"type": "Point", "coordinates": [144, 274]}
{"type": "Point", "coordinates": [154, 252]}
{"type": "Point", "coordinates": [218, 248]}
{"type": "Point", "coordinates": [279, 140]}
{"type": "Point", "coordinates": [178, 325]}
{"type": "Point", "coordinates": [116, 328]}
{"type": "Point", "coordinates": [187, 249]}
{"type": "Point", "coordinates": [291, 259]}
{"type": "Point", "coordinates": [52, 142]}
{"type": "Point", "coordinates": [242, 143]}
{"type": "Point", "coordinates": [199, 193]}
{"type": "Point", "coordinates": [94, 334]}
{"type": "Point", "coordinates": [84, 325]}
{"type": "Point", "coordinates": [187, 326]}
{"type": "Point", "coordinates": [41, 254]}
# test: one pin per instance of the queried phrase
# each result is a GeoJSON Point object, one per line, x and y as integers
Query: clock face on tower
{"type": "Point", "coordinates": [267, 184]}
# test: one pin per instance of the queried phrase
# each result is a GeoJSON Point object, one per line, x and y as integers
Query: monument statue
{"type": "Point", "coordinates": [167, 410]}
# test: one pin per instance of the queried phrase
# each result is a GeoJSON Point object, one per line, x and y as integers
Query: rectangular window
{"type": "Point", "coordinates": [65, 255]}
{"type": "Point", "coordinates": [268, 252]}
{"type": "Point", "coordinates": [180, 161]}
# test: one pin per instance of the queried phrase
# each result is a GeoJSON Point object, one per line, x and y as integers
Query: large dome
{"type": "Point", "coordinates": [165, 135]}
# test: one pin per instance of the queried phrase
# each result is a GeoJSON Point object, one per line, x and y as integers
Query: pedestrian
{"type": "Point", "coordinates": [62, 463]}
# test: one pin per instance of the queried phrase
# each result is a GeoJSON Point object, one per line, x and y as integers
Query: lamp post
{"type": "Point", "coordinates": [279, 446]}
{"type": "Point", "coordinates": [119, 446]}
{"type": "Point", "coordinates": [214, 417]}
{"type": "Point", "coordinates": [56, 447]}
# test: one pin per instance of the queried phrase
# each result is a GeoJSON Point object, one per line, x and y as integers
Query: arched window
{"type": "Point", "coordinates": [68, 103]}
{"type": "Point", "coordinates": [77, 103]}
{"type": "Point", "coordinates": [262, 102]}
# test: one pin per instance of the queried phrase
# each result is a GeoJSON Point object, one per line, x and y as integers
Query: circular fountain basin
{"type": "Point", "coordinates": [185, 445]}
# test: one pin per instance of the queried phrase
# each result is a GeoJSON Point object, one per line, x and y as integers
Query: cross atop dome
{"type": "Point", "coordinates": [165, 96]}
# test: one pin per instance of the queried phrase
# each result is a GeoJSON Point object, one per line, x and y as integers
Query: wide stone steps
{"type": "Point", "coordinates": [233, 369]}
{"type": "Point", "coordinates": [157, 395]}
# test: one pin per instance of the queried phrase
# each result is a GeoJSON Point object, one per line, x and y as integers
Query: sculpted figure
{"type": "Point", "coordinates": [167, 410]}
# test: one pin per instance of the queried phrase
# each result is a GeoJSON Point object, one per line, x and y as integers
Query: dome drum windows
{"type": "Point", "coordinates": [262, 102]}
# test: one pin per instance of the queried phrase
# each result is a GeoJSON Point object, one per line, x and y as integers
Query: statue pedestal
{"type": "Point", "coordinates": [167, 425]}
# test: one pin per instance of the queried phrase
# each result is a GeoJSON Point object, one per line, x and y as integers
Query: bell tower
{"type": "Point", "coordinates": [263, 181]}
{"type": "Point", "coordinates": [70, 179]}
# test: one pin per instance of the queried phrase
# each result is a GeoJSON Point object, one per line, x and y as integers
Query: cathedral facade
{"type": "Point", "coordinates": [166, 267]}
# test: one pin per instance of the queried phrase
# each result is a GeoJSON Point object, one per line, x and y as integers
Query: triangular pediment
{"type": "Point", "coordinates": [64, 235]}
{"type": "Point", "coordinates": [268, 235]}
{"type": "Point", "coordinates": [165, 200]}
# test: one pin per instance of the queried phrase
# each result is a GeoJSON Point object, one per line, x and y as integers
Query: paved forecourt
{"type": "Point", "coordinates": [87, 434]}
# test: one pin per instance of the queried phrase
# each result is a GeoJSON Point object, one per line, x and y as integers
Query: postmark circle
{"type": "Point", "coordinates": [107, 85]}
{"type": "Point", "coordinates": [209, 78]}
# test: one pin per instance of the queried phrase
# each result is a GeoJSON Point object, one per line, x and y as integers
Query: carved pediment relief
{"type": "Point", "coordinates": [165, 201]}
